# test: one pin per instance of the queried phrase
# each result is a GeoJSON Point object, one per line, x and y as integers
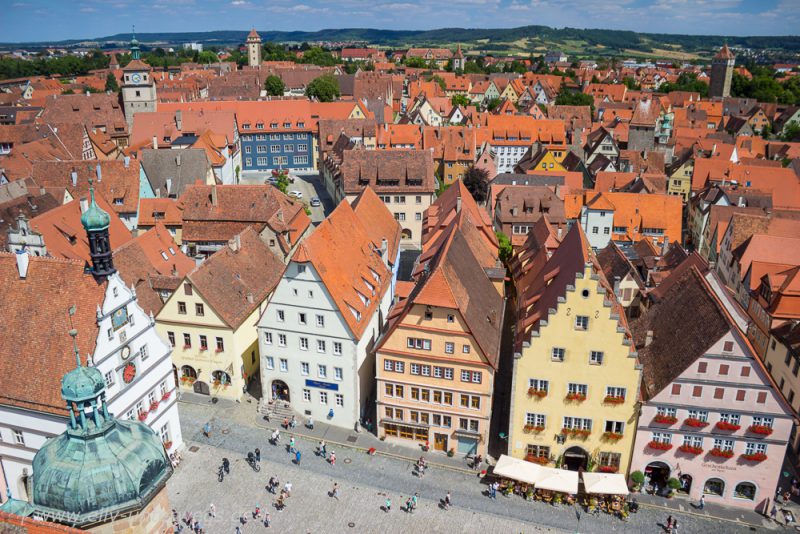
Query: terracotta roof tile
{"type": "Point", "coordinates": [378, 222]}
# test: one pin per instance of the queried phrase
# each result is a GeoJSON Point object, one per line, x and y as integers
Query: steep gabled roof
{"type": "Point", "coordinates": [615, 264]}
{"type": "Point", "coordinates": [378, 222]}
{"type": "Point", "coordinates": [341, 252]}
{"type": "Point", "coordinates": [678, 337]}
{"type": "Point", "coordinates": [236, 279]}
{"type": "Point", "coordinates": [456, 204]}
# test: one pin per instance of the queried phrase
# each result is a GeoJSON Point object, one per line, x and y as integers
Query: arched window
{"type": "Point", "coordinates": [745, 490]}
{"type": "Point", "coordinates": [221, 378]}
{"type": "Point", "coordinates": [187, 371]}
{"type": "Point", "coordinates": [714, 486]}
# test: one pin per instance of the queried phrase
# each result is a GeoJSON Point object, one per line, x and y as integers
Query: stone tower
{"type": "Point", "coordinates": [722, 73]}
{"type": "Point", "coordinates": [253, 48]}
{"type": "Point", "coordinates": [138, 86]}
{"type": "Point", "coordinates": [102, 474]}
{"type": "Point", "coordinates": [96, 222]}
{"type": "Point", "coordinates": [458, 59]}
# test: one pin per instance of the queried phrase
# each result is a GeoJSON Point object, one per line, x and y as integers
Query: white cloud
{"type": "Point", "coordinates": [238, 3]}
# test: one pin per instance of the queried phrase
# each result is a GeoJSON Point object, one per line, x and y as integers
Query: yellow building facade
{"type": "Point", "coordinates": [210, 357]}
{"type": "Point", "coordinates": [575, 376]}
{"type": "Point", "coordinates": [680, 181]}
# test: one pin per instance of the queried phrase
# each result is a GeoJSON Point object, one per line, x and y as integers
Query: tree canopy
{"type": "Point", "coordinates": [476, 180]}
{"type": "Point", "coordinates": [687, 81]}
{"type": "Point", "coordinates": [460, 100]}
{"type": "Point", "coordinates": [111, 83]}
{"type": "Point", "coordinates": [274, 85]}
{"type": "Point", "coordinates": [324, 88]}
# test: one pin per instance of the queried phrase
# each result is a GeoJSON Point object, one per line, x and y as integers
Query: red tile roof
{"type": "Point", "coordinates": [378, 222]}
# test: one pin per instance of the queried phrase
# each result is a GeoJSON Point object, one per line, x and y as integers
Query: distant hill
{"type": "Point", "coordinates": [522, 40]}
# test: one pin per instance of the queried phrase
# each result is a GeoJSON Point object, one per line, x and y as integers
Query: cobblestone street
{"type": "Point", "coordinates": [365, 481]}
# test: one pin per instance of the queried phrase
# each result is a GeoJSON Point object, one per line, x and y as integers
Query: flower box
{"type": "Point", "coordinates": [755, 457]}
{"type": "Point", "coordinates": [533, 428]}
{"type": "Point", "coordinates": [541, 460]}
{"type": "Point", "coordinates": [657, 445]}
{"type": "Point", "coordinates": [614, 400]}
{"type": "Point", "coordinates": [665, 419]}
{"type": "Point", "coordinates": [608, 469]}
{"type": "Point", "coordinates": [167, 445]}
{"type": "Point", "coordinates": [154, 406]}
{"type": "Point", "coordinates": [217, 383]}
{"type": "Point", "coordinates": [142, 416]}
{"type": "Point", "coordinates": [688, 449]}
{"type": "Point", "coordinates": [540, 393]}
{"type": "Point", "coordinates": [724, 425]}
{"type": "Point", "coordinates": [166, 395]}
{"type": "Point", "coordinates": [187, 347]}
{"type": "Point", "coordinates": [612, 436]}
{"type": "Point", "coordinates": [577, 397]}
{"type": "Point", "coordinates": [762, 430]}
{"type": "Point", "coordinates": [219, 350]}
{"type": "Point", "coordinates": [695, 423]}
{"type": "Point", "coordinates": [719, 453]}
{"type": "Point", "coordinates": [576, 432]}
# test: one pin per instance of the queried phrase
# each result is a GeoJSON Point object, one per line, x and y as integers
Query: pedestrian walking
{"type": "Point", "coordinates": [238, 530]}
{"type": "Point", "coordinates": [702, 502]}
{"type": "Point", "coordinates": [272, 484]}
{"type": "Point", "coordinates": [774, 513]}
{"type": "Point", "coordinates": [297, 457]}
{"type": "Point", "coordinates": [335, 491]}
{"type": "Point", "coordinates": [291, 445]}
{"type": "Point", "coordinates": [493, 488]}
{"type": "Point", "coordinates": [675, 527]}
{"type": "Point", "coordinates": [288, 489]}
{"type": "Point", "coordinates": [333, 458]}
{"type": "Point", "coordinates": [293, 422]}
{"type": "Point", "coordinates": [258, 455]}
{"type": "Point", "coordinates": [207, 429]}
{"type": "Point", "coordinates": [257, 512]}
{"type": "Point", "coordinates": [212, 510]}
{"type": "Point", "coordinates": [267, 520]}
{"type": "Point", "coordinates": [226, 465]}
{"type": "Point", "coordinates": [388, 504]}
{"type": "Point", "coordinates": [447, 501]}
{"type": "Point", "coordinates": [669, 524]}
{"type": "Point", "coordinates": [286, 423]}
{"type": "Point", "coordinates": [322, 448]}
{"type": "Point", "coordinates": [310, 423]}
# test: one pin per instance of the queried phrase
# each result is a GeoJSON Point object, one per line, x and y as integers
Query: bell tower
{"type": "Point", "coordinates": [138, 86]}
{"type": "Point", "coordinates": [253, 49]}
{"type": "Point", "coordinates": [96, 222]}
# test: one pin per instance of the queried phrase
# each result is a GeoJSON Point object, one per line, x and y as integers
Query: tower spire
{"type": "Point", "coordinates": [134, 44]}
{"type": "Point", "coordinates": [73, 333]}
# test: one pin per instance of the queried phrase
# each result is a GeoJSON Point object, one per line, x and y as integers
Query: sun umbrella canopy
{"type": "Point", "coordinates": [516, 469]}
{"type": "Point", "coordinates": [560, 480]}
{"type": "Point", "coordinates": [605, 483]}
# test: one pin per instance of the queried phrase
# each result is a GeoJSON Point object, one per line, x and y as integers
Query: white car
{"type": "Point", "coordinates": [295, 194]}
{"type": "Point", "coordinates": [315, 202]}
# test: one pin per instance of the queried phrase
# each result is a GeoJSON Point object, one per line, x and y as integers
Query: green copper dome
{"type": "Point", "coordinates": [119, 466]}
{"type": "Point", "coordinates": [82, 383]}
{"type": "Point", "coordinates": [94, 219]}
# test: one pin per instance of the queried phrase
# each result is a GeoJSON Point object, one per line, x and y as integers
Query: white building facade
{"type": "Point", "coordinates": [310, 356]}
{"type": "Point", "coordinates": [140, 383]}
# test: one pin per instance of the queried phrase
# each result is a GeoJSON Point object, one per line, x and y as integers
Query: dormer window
{"type": "Point", "coordinates": [273, 125]}
{"type": "Point", "coordinates": [260, 125]}
{"type": "Point", "coordinates": [301, 125]}
{"type": "Point", "coordinates": [287, 124]}
{"type": "Point", "coordinates": [246, 126]}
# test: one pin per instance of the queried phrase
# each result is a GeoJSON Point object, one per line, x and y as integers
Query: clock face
{"type": "Point", "coordinates": [126, 352]}
{"type": "Point", "coordinates": [136, 78]}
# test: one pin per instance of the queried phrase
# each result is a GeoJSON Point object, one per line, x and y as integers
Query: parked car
{"type": "Point", "coordinates": [316, 202]}
{"type": "Point", "coordinates": [295, 194]}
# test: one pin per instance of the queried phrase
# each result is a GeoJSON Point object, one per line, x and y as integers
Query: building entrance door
{"type": "Point", "coordinates": [440, 442]}
{"type": "Point", "coordinates": [201, 387]}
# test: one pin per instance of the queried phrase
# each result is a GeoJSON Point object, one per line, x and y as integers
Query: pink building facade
{"type": "Point", "coordinates": [714, 420]}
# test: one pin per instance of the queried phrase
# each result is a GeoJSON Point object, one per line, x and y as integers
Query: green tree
{"type": "Point", "coordinates": [318, 56]}
{"type": "Point", "coordinates": [281, 180]}
{"type": "Point", "coordinates": [471, 67]}
{"type": "Point", "coordinates": [324, 88]}
{"type": "Point", "coordinates": [206, 57]}
{"type": "Point", "coordinates": [460, 100]}
{"type": "Point", "coordinates": [111, 83]}
{"type": "Point", "coordinates": [505, 249]}
{"type": "Point", "coordinates": [274, 85]}
{"type": "Point", "coordinates": [631, 84]}
{"type": "Point", "coordinates": [791, 132]}
{"type": "Point", "coordinates": [492, 104]}
{"type": "Point", "coordinates": [439, 80]}
{"type": "Point", "coordinates": [415, 62]}
{"type": "Point", "coordinates": [568, 98]}
{"type": "Point", "coordinates": [687, 81]}
{"type": "Point", "coordinates": [476, 180]}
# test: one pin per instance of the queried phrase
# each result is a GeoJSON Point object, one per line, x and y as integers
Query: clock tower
{"type": "Point", "coordinates": [138, 86]}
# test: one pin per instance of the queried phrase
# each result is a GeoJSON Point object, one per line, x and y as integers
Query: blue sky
{"type": "Point", "coordinates": [27, 20]}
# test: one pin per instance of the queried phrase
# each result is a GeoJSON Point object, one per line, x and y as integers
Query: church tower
{"type": "Point", "coordinates": [458, 59]}
{"type": "Point", "coordinates": [96, 222]}
{"type": "Point", "coordinates": [253, 49]}
{"type": "Point", "coordinates": [722, 73]}
{"type": "Point", "coordinates": [138, 86]}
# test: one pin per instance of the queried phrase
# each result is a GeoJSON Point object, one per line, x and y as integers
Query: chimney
{"type": "Point", "coordinates": [179, 119]}
{"type": "Point", "coordinates": [648, 338]}
{"type": "Point", "coordinates": [616, 287]}
{"type": "Point", "coordinates": [169, 186]}
{"type": "Point", "coordinates": [178, 160]}
{"type": "Point", "coordinates": [99, 173]}
{"type": "Point", "coordinates": [214, 195]}
{"type": "Point", "coordinates": [74, 176]}
{"type": "Point", "coordinates": [84, 204]}
{"type": "Point", "coordinates": [127, 160]}
{"type": "Point", "coordinates": [235, 243]}
{"type": "Point", "coordinates": [22, 262]}
{"type": "Point", "coordinates": [249, 297]}
{"type": "Point", "coordinates": [155, 143]}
